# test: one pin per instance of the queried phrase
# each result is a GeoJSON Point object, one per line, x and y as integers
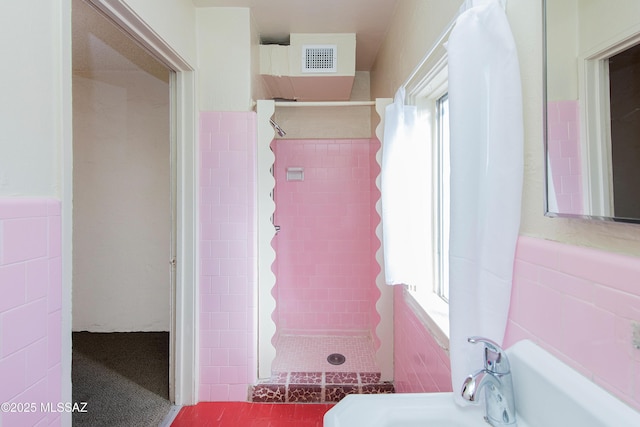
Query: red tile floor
{"type": "Point", "coordinates": [245, 414]}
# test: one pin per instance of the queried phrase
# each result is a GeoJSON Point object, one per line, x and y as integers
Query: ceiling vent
{"type": "Point", "coordinates": [322, 58]}
{"type": "Point", "coordinates": [313, 67]}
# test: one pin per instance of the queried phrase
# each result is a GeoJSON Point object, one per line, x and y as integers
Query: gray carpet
{"type": "Point", "coordinates": [123, 377]}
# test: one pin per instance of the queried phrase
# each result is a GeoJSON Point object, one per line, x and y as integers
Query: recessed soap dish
{"type": "Point", "coordinates": [295, 174]}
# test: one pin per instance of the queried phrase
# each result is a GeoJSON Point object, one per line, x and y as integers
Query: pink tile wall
{"type": "Point", "coordinates": [580, 304]}
{"type": "Point", "coordinates": [30, 308]}
{"type": "Point", "coordinates": [227, 254]}
{"type": "Point", "coordinates": [564, 154]}
{"type": "Point", "coordinates": [421, 365]}
{"type": "Point", "coordinates": [325, 247]}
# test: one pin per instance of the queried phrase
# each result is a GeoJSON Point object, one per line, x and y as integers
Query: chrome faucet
{"type": "Point", "coordinates": [495, 379]}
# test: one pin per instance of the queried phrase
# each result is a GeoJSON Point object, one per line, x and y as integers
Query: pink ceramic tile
{"type": "Point", "coordinates": [536, 251]}
{"type": "Point", "coordinates": [209, 159]}
{"type": "Point", "coordinates": [233, 375]}
{"type": "Point", "coordinates": [12, 286]}
{"type": "Point", "coordinates": [37, 279]}
{"type": "Point", "coordinates": [54, 338]}
{"type": "Point", "coordinates": [54, 295]}
{"type": "Point", "coordinates": [209, 338]}
{"type": "Point", "coordinates": [418, 356]}
{"type": "Point", "coordinates": [37, 358]}
{"type": "Point", "coordinates": [54, 384]}
{"type": "Point", "coordinates": [609, 269]}
{"type": "Point", "coordinates": [35, 393]}
{"type": "Point", "coordinates": [210, 375]}
{"type": "Point", "coordinates": [210, 303]}
{"type": "Point", "coordinates": [25, 208]}
{"type": "Point", "coordinates": [237, 393]}
{"type": "Point", "coordinates": [566, 284]}
{"type": "Point", "coordinates": [55, 236]}
{"type": "Point", "coordinates": [233, 303]}
{"type": "Point", "coordinates": [12, 372]}
{"type": "Point", "coordinates": [32, 321]}
{"type": "Point", "coordinates": [583, 321]}
{"type": "Point", "coordinates": [24, 239]}
{"type": "Point", "coordinates": [232, 339]}
{"type": "Point", "coordinates": [209, 266]}
{"type": "Point", "coordinates": [219, 392]}
{"type": "Point", "coordinates": [204, 392]}
{"type": "Point", "coordinates": [621, 303]}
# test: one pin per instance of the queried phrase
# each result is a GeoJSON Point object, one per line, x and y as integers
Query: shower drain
{"type": "Point", "coordinates": [336, 359]}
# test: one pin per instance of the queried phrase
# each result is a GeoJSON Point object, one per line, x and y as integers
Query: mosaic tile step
{"type": "Point", "coordinates": [318, 387]}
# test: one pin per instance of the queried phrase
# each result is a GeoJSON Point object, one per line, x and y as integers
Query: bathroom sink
{"type": "Point", "coordinates": [403, 409]}
{"type": "Point", "coordinates": [547, 393]}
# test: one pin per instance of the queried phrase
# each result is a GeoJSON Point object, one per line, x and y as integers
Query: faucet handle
{"type": "Point", "coordinates": [495, 359]}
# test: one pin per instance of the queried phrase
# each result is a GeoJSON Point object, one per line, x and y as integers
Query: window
{"type": "Point", "coordinates": [431, 98]}
{"type": "Point", "coordinates": [441, 219]}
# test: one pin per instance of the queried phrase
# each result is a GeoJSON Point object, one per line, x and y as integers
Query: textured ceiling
{"type": "Point", "coordinates": [276, 19]}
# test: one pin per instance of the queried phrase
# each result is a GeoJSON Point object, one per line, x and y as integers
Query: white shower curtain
{"type": "Point", "coordinates": [486, 179]}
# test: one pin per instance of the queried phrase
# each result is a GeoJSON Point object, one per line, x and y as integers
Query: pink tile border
{"type": "Point", "coordinates": [30, 307]}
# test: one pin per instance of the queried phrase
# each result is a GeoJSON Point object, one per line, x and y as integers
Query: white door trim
{"type": "Point", "coordinates": [184, 329]}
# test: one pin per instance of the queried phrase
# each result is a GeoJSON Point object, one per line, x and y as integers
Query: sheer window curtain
{"type": "Point", "coordinates": [486, 179]}
{"type": "Point", "coordinates": [403, 194]}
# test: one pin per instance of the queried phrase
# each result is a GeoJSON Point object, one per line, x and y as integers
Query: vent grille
{"type": "Point", "coordinates": [319, 59]}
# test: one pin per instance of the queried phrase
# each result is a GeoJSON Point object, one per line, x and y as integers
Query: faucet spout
{"type": "Point", "coordinates": [495, 381]}
{"type": "Point", "coordinates": [476, 382]}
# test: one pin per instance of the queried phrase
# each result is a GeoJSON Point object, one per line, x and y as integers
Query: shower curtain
{"type": "Point", "coordinates": [486, 179]}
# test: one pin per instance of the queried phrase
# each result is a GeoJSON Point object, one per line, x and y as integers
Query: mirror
{"type": "Point", "coordinates": [592, 108]}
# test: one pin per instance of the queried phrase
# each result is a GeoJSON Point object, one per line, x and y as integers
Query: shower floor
{"type": "Point", "coordinates": [308, 353]}
{"type": "Point", "coordinates": [301, 372]}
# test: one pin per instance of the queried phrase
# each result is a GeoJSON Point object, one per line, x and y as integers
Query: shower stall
{"type": "Point", "coordinates": [324, 315]}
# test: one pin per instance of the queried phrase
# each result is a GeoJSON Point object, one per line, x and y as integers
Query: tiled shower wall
{"type": "Point", "coordinates": [581, 304]}
{"type": "Point", "coordinates": [30, 307]}
{"type": "Point", "coordinates": [564, 154]}
{"type": "Point", "coordinates": [325, 247]}
{"type": "Point", "coordinates": [227, 254]}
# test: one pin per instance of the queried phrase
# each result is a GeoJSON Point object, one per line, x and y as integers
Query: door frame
{"type": "Point", "coordinates": [183, 327]}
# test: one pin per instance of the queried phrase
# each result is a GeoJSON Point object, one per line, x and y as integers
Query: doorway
{"type": "Point", "coordinates": [124, 213]}
{"type": "Point", "coordinates": [184, 117]}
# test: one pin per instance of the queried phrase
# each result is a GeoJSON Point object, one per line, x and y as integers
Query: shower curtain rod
{"type": "Point", "coordinates": [425, 58]}
{"type": "Point", "coordinates": [465, 5]}
{"type": "Point", "coordinates": [325, 104]}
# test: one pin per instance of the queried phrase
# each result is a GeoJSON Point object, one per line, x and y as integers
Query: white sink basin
{"type": "Point", "coordinates": [403, 409]}
{"type": "Point", "coordinates": [548, 393]}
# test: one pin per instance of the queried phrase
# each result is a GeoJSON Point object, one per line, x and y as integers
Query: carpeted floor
{"type": "Point", "coordinates": [123, 377]}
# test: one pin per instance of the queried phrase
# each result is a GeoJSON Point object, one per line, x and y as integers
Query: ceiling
{"type": "Point", "coordinates": [100, 45]}
{"type": "Point", "coordinates": [276, 19]}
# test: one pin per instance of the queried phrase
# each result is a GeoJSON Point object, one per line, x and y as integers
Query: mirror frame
{"type": "Point", "coordinates": [545, 126]}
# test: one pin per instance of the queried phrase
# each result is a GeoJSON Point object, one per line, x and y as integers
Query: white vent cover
{"type": "Point", "coordinates": [319, 58]}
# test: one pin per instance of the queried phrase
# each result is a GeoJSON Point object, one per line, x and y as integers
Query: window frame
{"type": "Point", "coordinates": [431, 84]}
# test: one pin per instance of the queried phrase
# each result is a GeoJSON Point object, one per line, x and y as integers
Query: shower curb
{"type": "Point", "coordinates": [317, 387]}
